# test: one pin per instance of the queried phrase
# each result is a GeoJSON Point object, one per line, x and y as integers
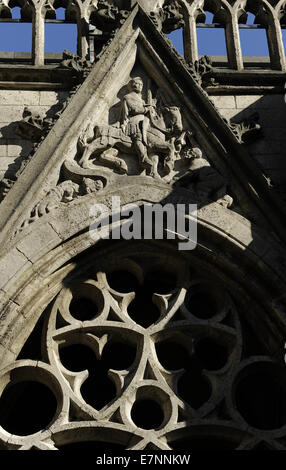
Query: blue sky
{"type": "Point", "coordinates": [18, 36]}
{"type": "Point", "coordinates": [211, 41]}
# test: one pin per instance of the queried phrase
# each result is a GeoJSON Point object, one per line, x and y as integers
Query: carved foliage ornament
{"type": "Point", "coordinates": [248, 129]}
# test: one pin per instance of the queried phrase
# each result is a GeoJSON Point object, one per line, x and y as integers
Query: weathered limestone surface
{"type": "Point", "coordinates": [188, 332]}
{"type": "Point", "coordinates": [269, 151]}
{"type": "Point", "coordinates": [12, 103]}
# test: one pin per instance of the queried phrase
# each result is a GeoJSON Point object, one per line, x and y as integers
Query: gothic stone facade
{"type": "Point", "coordinates": [117, 344]}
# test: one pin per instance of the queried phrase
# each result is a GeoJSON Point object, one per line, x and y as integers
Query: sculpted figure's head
{"type": "Point", "coordinates": [193, 153]}
{"type": "Point", "coordinates": [90, 186]}
{"type": "Point", "coordinates": [197, 153]}
{"type": "Point", "coordinates": [136, 85]}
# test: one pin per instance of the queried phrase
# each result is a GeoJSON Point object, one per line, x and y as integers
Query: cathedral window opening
{"type": "Point", "coordinates": [253, 39]}
{"type": "Point", "coordinates": [137, 372]}
{"type": "Point", "coordinates": [60, 33]}
{"type": "Point", "coordinates": [147, 414]}
{"type": "Point", "coordinates": [262, 386]}
{"type": "Point", "coordinates": [97, 39]}
{"type": "Point", "coordinates": [15, 31]}
{"type": "Point", "coordinates": [177, 40]}
{"type": "Point", "coordinates": [33, 416]}
{"type": "Point", "coordinates": [211, 37]}
{"type": "Point", "coordinates": [283, 30]}
{"type": "Point", "coordinates": [284, 37]}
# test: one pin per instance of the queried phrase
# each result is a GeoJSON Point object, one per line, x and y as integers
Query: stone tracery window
{"type": "Point", "coordinates": [140, 348]}
{"type": "Point", "coordinates": [60, 30]}
{"type": "Point", "coordinates": [233, 16]}
{"type": "Point", "coordinates": [16, 27]}
{"type": "Point", "coordinates": [253, 37]}
{"type": "Point", "coordinates": [211, 37]}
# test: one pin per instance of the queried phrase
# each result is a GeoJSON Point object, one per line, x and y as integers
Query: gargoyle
{"type": "Point", "coordinates": [108, 17]}
{"type": "Point", "coordinates": [32, 125]}
{"type": "Point", "coordinates": [74, 62]}
{"type": "Point", "coordinates": [169, 17]}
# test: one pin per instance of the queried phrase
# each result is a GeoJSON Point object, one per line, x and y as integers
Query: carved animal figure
{"type": "Point", "coordinates": [162, 136]}
{"type": "Point", "coordinates": [64, 192]}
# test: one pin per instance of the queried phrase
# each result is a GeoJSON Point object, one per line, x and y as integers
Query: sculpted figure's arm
{"type": "Point", "coordinates": [124, 114]}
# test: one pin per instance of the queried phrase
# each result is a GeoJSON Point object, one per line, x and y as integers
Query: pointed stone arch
{"type": "Point", "coordinates": [56, 260]}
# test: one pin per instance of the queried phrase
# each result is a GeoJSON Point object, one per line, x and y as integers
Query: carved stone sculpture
{"type": "Point", "coordinates": [109, 17]}
{"type": "Point", "coordinates": [32, 125]}
{"type": "Point", "coordinates": [64, 192]}
{"type": "Point", "coordinates": [169, 17]}
{"type": "Point", "coordinates": [203, 69]}
{"type": "Point", "coordinates": [247, 130]}
{"type": "Point", "coordinates": [143, 129]}
{"type": "Point", "coordinates": [5, 186]}
{"type": "Point", "coordinates": [203, 180]}
{"type": "Point", "coordinates": [5, 10]}
{"type": "Point", "coordinates": [73, 61]}
{"type": "Point", "coordinates": [151, 131]}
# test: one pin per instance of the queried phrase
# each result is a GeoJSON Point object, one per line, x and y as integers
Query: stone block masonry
{"type": "Point", "coordinates": [269, 152]}
{"type": "Point", "coordinates": [12, 103]}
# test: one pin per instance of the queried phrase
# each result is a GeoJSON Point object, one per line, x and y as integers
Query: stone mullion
{"type": "Point", "coordinates": [83, 30]}
{"type": "Point", "coordinates": [38, 37]}
{"type": "Point", "coordinates": [275, 44]}
{"type": "Point", "coordinates": [234, 54]}
{"type": "Point", "coordinates": [190, 39]}
{"type": "Point", "coordinates": [82, 37]}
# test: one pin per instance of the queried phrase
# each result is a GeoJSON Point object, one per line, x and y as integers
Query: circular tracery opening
{"type": "Point", "coordinates": [122, 281]}
{"type": "Point", "coordinates": [147, 414]}
{"type": "Point", "coordinates": [211, 354]}
{"type": "Point", "coordinates": [86, 303]}
{"type": "Point", "coordinates": [83, 309]}
{"type": "Point", "coordinates": [205, 300]}
{"type": "Point", "coordinates": [27, 407]}
{"type": "Point", "coordinates": [260, 395]}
